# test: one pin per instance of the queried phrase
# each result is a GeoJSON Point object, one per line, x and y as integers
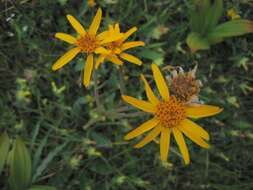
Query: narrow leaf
{"type": "Point", "coordinates": [39, 149]}
{"type": "Point", "coordinates": [4, 149]}
{"type": "Point", "coordinates": [205, 9]}
{"type": "Point", "coordinates": [194, 19]}
{"type": "Point", "coordinates": [232, 28]}
{"type": "Point", "coordinates": [47, 160]}
{"type": "Point", "coordinates": [214, 14]}
{"type": "Point", "coordinates": [20, 166]}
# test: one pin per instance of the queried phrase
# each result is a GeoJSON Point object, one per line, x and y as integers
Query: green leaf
{"type": "Point", "coordinates": [41, 187]}
{"type": "Point", "coordinates": [214, 14]}
{"type": "Point", "coordinates": [197, 42]}
{"type": "Point", "coordinates": [20, 166]}
{"type": "Point", "coordinates": [194, 19]}
{"type": "Point", "coordinates": [101, 140]}
{"type": "Point", "coordinates": [152, 54]}
{"type": "Point", "coordinates": [204, 8]}
{"type": "Point", "coordinates": [199, 15]}
{"type": "Point", "coordinates": [39, 150]}
{"type": "Point", "coordinates": [231, 29]}
{"type": "Point", "coordinates": [4, 149]}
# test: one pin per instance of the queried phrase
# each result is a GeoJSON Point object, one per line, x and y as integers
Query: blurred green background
{"type": "Point", "coordinates": [76, 141]}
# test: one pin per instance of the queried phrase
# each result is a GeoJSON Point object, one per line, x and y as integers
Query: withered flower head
{"type": "Point", "coordinates": [184, 85]}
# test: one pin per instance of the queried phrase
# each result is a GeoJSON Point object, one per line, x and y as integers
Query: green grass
{"type": "Point", "coordinates": [76, 138]}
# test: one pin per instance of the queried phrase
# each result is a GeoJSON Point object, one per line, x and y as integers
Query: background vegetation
{"type": "Point", "coordinates": [76, 138]}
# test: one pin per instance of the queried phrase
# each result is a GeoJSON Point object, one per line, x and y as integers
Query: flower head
{"type": "Point", "coordinates": [86, 42]}
{"type": "Point", "coordinates": [184, 85]}
{"type": "Point", "coordinates": [114, 50]}
{"type": "Point", "coordinates": [170, 116]}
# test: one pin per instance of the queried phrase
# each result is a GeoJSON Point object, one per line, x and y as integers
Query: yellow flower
{"type": "Point", "coordinates": [170, 117]}
{"type": "Point", "coordinates": [113, 51]}
{"type": "Point", "coordinates": [231, 13]}
{"type": "Point", "coordinates": [87, 42]}
{"type": "Point", "coordinates": [91, 3]}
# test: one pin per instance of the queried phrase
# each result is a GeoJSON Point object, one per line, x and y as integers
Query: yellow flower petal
{"type": "Point", "coordinates": [195, 128]}
{"type": "Point", "coordinates": [110, 35]}
{"type": "Point", "coordinates": [200, 111]}
{"type": "Point", "coordinates": [115, 60]}
{"type": "Point", "coordinates": [99, 60]}
{"type": "Point", "coordinates": [140, 104]}
{"type": "Point", "coordinates": [150, 124]}
{"type": "Point", "coordinates": [181, 144]}
{"type": "Point", "coordinates": [67, 57]}
{"type": "Point", "coordinates": [88, 70]}
{"type": "Point", "coordinates": [150, 94]}
{"type": "Point", "coordinates": [117, 29]}
{"type": "Point", "coordinates": [165, 143]}
{"type": "Point", "coordinates": [102, 50]}
{"type": "Point", "coordinates": [110, 38]}
{"type": "Point", "coordinates": [111, 29]}
{"type": "Point", "coordinates": [193, 135]}
{"type": "Point", "coordinates": [102, 35]}
{"type": "Point", "coordinates": [133, 44]}
{"type": "Point", "coordinates": [151, 136]}
{"type": "Point", "coordinates": [96, 22]}
{"type": "Point", "coordinates": [131, 58]}
{"type": "Point", "coordinates": [160, 82]}
{"type": "Point", "coordinates": [66, 37]}
{"type": "Point", "coordinates": [129, 33]}
{"type": "Point", "coordinates": [76, 25]}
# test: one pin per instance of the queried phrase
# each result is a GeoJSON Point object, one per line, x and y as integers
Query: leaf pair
{"type": "Point", "coordinates": [20, 164]}
{"type": "Point", "coordinates": [205, 30]}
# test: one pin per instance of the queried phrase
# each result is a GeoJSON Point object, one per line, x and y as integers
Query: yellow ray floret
{"type": "Point", "coordinates": [115, 51]}
{"type": "Point", "coordinates": [170, 117]}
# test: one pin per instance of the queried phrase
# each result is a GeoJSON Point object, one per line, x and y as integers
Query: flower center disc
{"type": "Point", "coordinates": [114, 46]}
{"type": "Point", "coordinates": [88, 43]}
{"type": "Point", "coordinates": [184, 87]}
{"type": "Point", "coordinates": [170, 113]}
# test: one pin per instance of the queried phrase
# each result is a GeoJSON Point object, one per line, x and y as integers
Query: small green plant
{"type": "Point", "coordinates": [205, 27]}
{"type": "Point", "coordinates": [18, 160]}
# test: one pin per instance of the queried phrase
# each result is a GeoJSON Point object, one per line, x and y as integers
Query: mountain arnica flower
{"type": "Point", "coordinates": [170, 116]}
{"type": "Point", "coordinates": [87, 42]}
{"type": "Point", "coordinates": [115, 50]}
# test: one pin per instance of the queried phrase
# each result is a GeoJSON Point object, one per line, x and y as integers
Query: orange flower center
{"type": "Point", "coordinates": [170, 113]}
{"type": "Point", "coordinates": [114, 46]}
{"type": "Point", "coordinates": [88, 43]}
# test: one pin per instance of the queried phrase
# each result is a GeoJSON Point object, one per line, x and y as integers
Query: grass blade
{"type": "Point", "coordinates": [47, 160]}
{"type": "Point", "coordinates": [214, 14]}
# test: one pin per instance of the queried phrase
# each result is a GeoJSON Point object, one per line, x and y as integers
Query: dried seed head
{"type": "Point", "coordinates": [184, 86]}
